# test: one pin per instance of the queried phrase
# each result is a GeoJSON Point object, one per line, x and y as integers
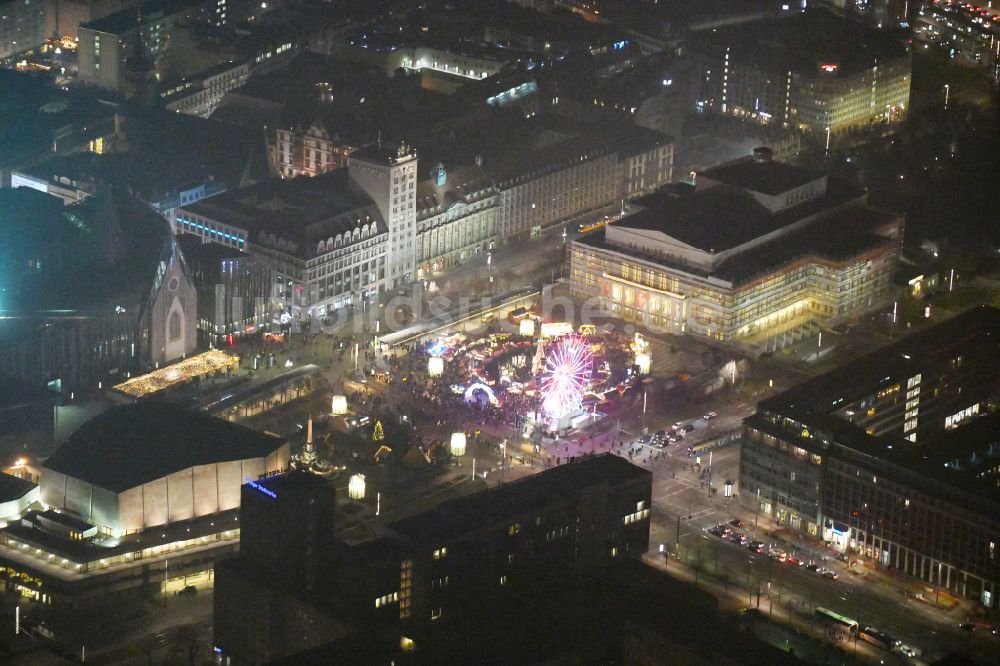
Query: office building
{"type": "Point", "coordinates": [439, 566]}
{"type": "Point", "coordinates": [105, 44]}
{"type": "Point", "coordinates": [813, 71]}
{"type": "Point", "coordinates": [102, 290]}
{"type": "Point", "coordinates": [22, 26]}
{"type": "Point", "coordinates": [456, 217]}
{"type": "Point", "coordinates": [760, 254]}
{"type": "Point", "coordinates": [555, 170]}
{"type": "Point", "coordinates": [893, 458]}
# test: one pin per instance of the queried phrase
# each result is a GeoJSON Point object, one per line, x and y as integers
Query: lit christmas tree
{"type": "Point", "coordinates": [378, 435]}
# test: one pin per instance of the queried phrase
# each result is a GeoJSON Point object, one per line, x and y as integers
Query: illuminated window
{"type": "Point", "coordinates": [440, 553]}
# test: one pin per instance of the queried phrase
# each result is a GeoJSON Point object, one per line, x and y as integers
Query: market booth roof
{"type": "Point", "coordinates": [201, 365]}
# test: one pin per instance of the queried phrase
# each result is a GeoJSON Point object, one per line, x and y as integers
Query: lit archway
{"type": "Point", "coordinates": [479, 386]}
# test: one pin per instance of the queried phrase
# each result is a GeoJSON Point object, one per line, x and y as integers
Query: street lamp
{"type": "Point", "coordinates": [947, 94]}
{"type": "Point", "coordinates": [503, 460]}
{"type": "Point", "coordinates": [356, 487]}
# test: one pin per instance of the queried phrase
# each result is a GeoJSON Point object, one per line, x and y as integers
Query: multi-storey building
{"type": "Point", "coordinates": [894, 457]}
{"type": "Point", "coordinates": [22, 26]}
{"type": "Point", "coordinates": [813, 71]}
{"type": "Point", "coordinates": [311, 150]}
{"type": "Point", "coordinates": [456, 217]}
{"type": "Point", "coordinates": [200, 94]}
{"type": "Point", "coordinates": [758, 255]}
{"type": "Point", "coordinates": [552, 184]}
{"type": "Point", "coordinates": [106, 43]}
{"type": "Point", "coordinates": [389, 177]}
{"type": "Point", "coordinates": [432, 567]}
{"type": "Point", "coordinates": [234, 288]}
{"type": "Point", "coordinates": [325, 242]}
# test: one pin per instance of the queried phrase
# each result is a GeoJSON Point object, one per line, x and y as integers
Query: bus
{"type": "Point", "coordinates": [702, 448]}
{"type": "Point", "coordinates": [878, 638]}
{"type": "Point", "coordinates": [835, 618]}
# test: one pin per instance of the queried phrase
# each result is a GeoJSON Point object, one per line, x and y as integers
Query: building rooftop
{"type": "Point", "coordinates": [815, 43]}
{"type": "Point", "coordinates": [15, 393]}
{"type": "Point", "coordinates": [128, 19]}
{"type": "Point", "coordinates": [129, 445]}
{"type": "Point", "coordinates": [169, 153]}
{"type": "Point", "coordinates": [49, 248]}
{"type": "Point", "coordinates": [724, 217]}
{"type": "Point", "coordinates": [463, 184]}
{"type": "Point", "coordinates": [978, 327]}
{"type": "Point", "coordinates": [14, 487]}
{"type": "Point", "coordinates": [513, 500]}
{"type": "Point", "coordinates": [767, 177]}
{"type": "Point", "coordinates": [957, 457]}
{"type": "Point", "coordinates": [298, 212]}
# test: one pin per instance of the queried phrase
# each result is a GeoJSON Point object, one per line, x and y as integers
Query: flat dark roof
{"type": "Point", "coordinates": [510, 501]}
{"type": "Point", "coordinates": [129, 445]}
{"type": "Point", "coordinates": [768, 177]}
{"type": "Point", "coordinates": [802, 42]}
{"type": "Point", "coordinates": [724, 217]}
{"type": "Point", "coordinates": [302, 210]}
{"type": "Point", "coordinates": [13, 487]}
{"type": "Point", "coordinates": [974, 334]}
{"type": "Point", "coordinates": [17, 393]}
{"type": "Point", "coordinates": [977, 326]}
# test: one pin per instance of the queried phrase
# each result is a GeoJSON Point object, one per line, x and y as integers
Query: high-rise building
{"type": "Point", "coordinates": [389, 177]}
{"type": "Point", "coordinates": [893, 457]}
{"type": "Point", "coordinates": [458, 560]}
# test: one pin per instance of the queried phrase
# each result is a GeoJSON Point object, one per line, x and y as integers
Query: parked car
{"type": "Point", "coordinates": [832, 575]}
{"type": "Point", "coordinates": [736, 522]}
{"type": "Point", "coordinates": [709, 416]}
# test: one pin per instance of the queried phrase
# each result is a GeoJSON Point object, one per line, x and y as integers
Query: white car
{"type": "Point", "coordinates": [709, 416]}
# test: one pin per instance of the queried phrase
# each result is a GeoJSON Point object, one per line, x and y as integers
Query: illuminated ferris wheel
{"type": "Point", "coordinates": [567, 372]}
